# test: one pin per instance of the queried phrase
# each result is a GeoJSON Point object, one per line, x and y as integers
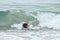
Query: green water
{"type": "Point", "coordinates": [8, 18]}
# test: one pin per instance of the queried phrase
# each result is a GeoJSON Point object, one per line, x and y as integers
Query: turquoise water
{"type": "Point", "coordinates": [8, 18]}
{"type": "Point", "coordinates": [43, 15]}
{"type": "Point", "coordinates": [38, 13]}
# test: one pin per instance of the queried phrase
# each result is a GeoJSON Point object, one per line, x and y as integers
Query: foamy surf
{"type": "Point", "coordinates": [42, 15]}
{"type": "Point", "coordinates": [29, 35]}
{"type": "Point", "coordinates": [19, 35]}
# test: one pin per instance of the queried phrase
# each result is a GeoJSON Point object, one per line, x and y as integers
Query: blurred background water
{"type": "Point", "coordinates": [40, 14]}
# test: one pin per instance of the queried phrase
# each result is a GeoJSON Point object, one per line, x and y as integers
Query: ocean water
{"type": "Point", "coordinates": [43, 16]}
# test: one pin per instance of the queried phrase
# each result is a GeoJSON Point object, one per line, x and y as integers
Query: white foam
{"type": "Point", "coordinates": [50, 35]}
{"type": "Point", "coordinates": [19, 35]}
{"type": "Point", "coordinates": [7, 36]}
{"type": "Point", "coordinates": [17, 26]}
{"type": "Point", "coordinates": [49, 20]}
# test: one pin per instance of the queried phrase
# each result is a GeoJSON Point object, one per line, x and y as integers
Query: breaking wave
{"type": "Point", "coordinates": [14, 18]}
